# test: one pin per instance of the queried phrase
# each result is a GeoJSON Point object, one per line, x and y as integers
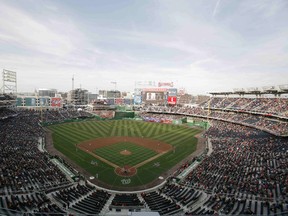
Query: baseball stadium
{"type": "Point", "coordinates": [143, 108]}
{"type": "Point", "coordinates": [151, 155]}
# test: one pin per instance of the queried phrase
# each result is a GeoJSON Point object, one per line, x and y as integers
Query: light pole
{"type": "Point", "coordinates": [115, 83]}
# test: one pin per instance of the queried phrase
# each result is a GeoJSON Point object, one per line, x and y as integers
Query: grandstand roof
{"type": "Point", "coordinates": [274, 91]}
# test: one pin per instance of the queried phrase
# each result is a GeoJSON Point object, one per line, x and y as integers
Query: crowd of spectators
{"type": "Point", "coordinates": [33, 202]}
{"type": "Point", "coordinates": [60, 115]}
{"type": "Point", "coordinates": [245, 174]}
{"type": "Point", "coordinates": [68, 195]}
{"type": "Point", "coordinates": [6, 113]}
{"type": "Point", "coordinates": [263, 122]}
{"type": "Point", "coordinates": [271, 106]}
{"type": "Point", "coordinates": [246, 164]}
{"type": "Point", "coordinates": [22, 166]}
{"type": "Point", "coordinates": [243, 161]}
{"type": "Point", "coordinates": [49, 116]}
{"type": "Point", "coordinates": [7, 100]}
{"type": "Point", "coordinates": [160, 118]}
{"type": "Point", "coordinates": [105, 114]}
{"type": "Point", "coordinates": [224, 205]}
{"type": "Point", "coordinates": [24, 169]}
{"type": "Point", "coordinates": [6, 97]}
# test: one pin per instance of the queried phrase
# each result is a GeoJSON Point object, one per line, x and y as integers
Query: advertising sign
{"type": "Point", "coordinates": [118, 101]}
{"type": "Point", "coordinates": [30, 101]}
{"type": "Point", "coordinates": [172, 92]}
{"type": "Point", "coordinates": [19, 101]}
{"type": "Point", "coordinates": [169, 84]}
{"type": "Point", "coordinates": [44, 101]}
{"type": "Point", "coordinates": [56, 102]}
{"type": "Point", "coordinates": [172, 100]}
{"type": "Point", "coordinates": [110, 101]}
{"type": "Point", "coordinates": [154, 90]}
{"type": "Point", "coordinates": [150, 96]}
{"type": "Point", "coordinates": [137, 99]}
{"type": "Point", "coordinates": [128, 101]}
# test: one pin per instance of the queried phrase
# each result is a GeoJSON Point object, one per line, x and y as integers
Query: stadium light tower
{"type": "Point", "coordinates": [72, 93]}
{"type": "Point", "coordinates": [9, 82]}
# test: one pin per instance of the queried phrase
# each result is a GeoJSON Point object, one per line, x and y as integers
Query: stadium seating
{"type": "Point", "coordinates": [93, 204]}
{"type": "Point", "coordinates": [246, 173]}
{"type": "Point", "coordinates": [6, 113]}
{"type": "Point", "coordinates": [126, 200]}
{"type": "Point", "coordinates": [160, 204]}
{"type": "Point", "coordinates": [264, 120]}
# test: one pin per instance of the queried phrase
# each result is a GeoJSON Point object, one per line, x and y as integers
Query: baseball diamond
{"type": "Point", "coordinates": [117, 149]}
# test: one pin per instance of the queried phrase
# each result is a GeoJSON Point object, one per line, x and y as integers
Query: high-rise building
{"type": "Point", "coordinates": [110, 94]}
{"type": "Point", "coordinates": [78, 96]}
{"type": "Point", "coordinates": [47, 92]}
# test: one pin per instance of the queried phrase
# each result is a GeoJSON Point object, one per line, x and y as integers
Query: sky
{"type": "Point", "coordinates": [202, 46]}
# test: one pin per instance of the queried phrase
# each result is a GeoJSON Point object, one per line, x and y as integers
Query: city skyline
{"type": "Point", "coordinates": [202, 46]}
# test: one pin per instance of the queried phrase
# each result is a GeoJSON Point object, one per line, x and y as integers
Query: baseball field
{"type": "Point", "coordinates": [124, 154]}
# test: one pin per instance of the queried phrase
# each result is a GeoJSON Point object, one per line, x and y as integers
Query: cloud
{"type": "Point", "coordinates": [265, 8]}
{"type": "Point", "coordinates": [245, 45]}
{"type": "Point", "coordinates": [26, 31]}
{"type": "Point", "coordinates": [215, 9]}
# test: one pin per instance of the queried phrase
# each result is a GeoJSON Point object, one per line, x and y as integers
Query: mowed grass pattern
{"type": "Point", "coordinates": [112, 153]}
{"type": "Point", "coordinates": [67, 136]}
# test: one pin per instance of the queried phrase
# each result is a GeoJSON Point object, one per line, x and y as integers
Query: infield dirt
{"type": "Point", "coordinates": [155, 145]}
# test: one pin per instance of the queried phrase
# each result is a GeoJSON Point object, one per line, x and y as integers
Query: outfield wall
{"type": "Point", "coordinates": [121, 115]}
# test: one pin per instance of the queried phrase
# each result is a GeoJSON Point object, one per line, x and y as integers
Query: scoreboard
{"type": "Point", "coordinates": [157, 95]}
{"type": "Point", "coordinates": [154, 95]}
{"type": "Point", "coordinates": [172, 96]}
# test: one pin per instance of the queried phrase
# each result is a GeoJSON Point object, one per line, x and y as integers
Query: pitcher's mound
{"type": "Point", "coordinates": [125, 152]}
{"type": "Point", "coordinates": [126, 171]}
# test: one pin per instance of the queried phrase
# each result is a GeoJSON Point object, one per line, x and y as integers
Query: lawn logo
{"type": "Point", "coordinates": [126, 181]}
{"type": "Point", "coordinates": [94, 163]}
{"type": "Point", "coordinates": [157, 164]}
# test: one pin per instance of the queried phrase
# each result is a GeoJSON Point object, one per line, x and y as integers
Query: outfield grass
{"type": "Point", "coordinates": [67, 136]}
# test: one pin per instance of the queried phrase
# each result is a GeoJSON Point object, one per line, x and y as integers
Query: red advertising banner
{"type": "Point", "coordinates": [170, 84]}
{"type": "Point", "coordinates": [172, 100]}
{"type": "Point", "coordinates": [154, 90]}
{"type": "Point", "coordinates": [118, 101]}
{"type": "Point", "coordinates": [56, 102]}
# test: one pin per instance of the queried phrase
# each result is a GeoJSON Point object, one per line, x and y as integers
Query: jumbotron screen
{"type": "Point", "coordinates": [153, 96]}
